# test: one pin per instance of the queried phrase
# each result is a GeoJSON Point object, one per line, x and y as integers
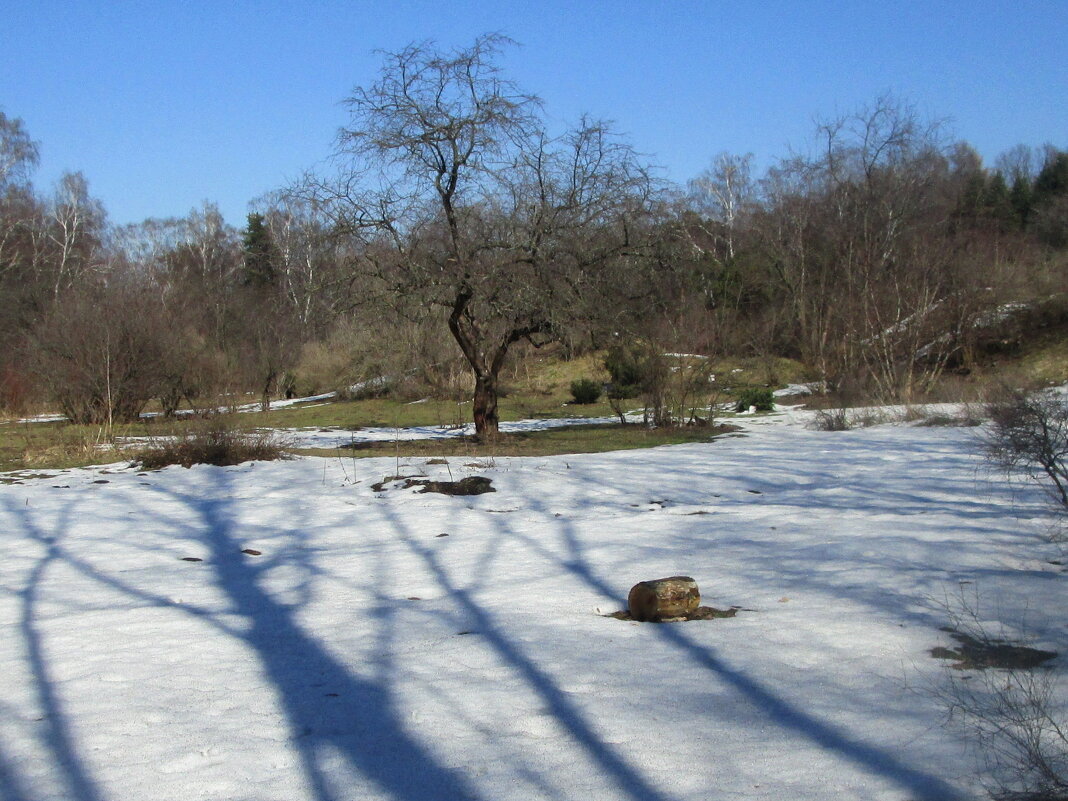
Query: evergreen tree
{"type": "Point", "coordinates": [1021, 199]}
{"type": "Point", "coordinates": [970, 202]}
{"type": "Point", "coordinates": [1052, 181]}
{"type": "Point", "coordinates": [997, 201]}
{"type": "Point", "coordinates": [261, 254]}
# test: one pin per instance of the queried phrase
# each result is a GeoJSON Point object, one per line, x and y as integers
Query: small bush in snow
{"type": "Point", "coordinates": [963, 420]}
{"type": "Point", "coordinates": [585, 390]}
{"type": "Point", "coordinates": [759, 397]}
{"type": "Point", "coordinates": [1030, 433]}
{"type": "Point", "coordinates": [214, 442]}
{"type": "Point", "coordinates": [1016, 715]}
{"type": "Point", "coordinates": [832, 420]}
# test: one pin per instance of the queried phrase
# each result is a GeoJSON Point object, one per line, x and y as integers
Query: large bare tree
{"type": "Point", "coordinates": [463, 201]}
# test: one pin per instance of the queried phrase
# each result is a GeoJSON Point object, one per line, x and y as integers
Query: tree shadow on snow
{"type": "Point", "coordinates": [55, 731]}
{"type": "Point", "coordinates": [629, 782]}
{"type": "Point", "coordinates": [778, 710]}
{"type": "Point", "coordinates": [334, 711]}
{"type": "Point", "coordinates": [330, 711]}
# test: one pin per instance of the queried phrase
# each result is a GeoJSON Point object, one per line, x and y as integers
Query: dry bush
{"type": "Point", "coordinates": [1030, 435]}
{"type": "Point", "coordinates": [213, 441]}
{"type": "Point", "coordinates": [832, 420]}
{"type": "Point", "coordinates": [675, 388]}
{"type": "Point", "coordinates": [1012, 708]}
{"type": "Point", "coordinates": [99, 354]}
{"type": "Point", "coordinates": [15, 391]}
{"type": "Point", "coordinates": [966, 417]}
{"type": "Point", "coordinates": [845, 419]}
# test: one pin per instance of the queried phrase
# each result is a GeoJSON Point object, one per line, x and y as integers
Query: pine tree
{"type": "Point", "coordinates": [1021, 199]}
{"type": "Point", "coordinates": [261, 254]}
{"type": "Point", "coordinates": [997, 201]}
{"type": "Point", "coordinates": [1052, 181]}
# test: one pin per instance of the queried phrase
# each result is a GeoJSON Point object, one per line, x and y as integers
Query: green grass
{"type": "Point", "coordinates": [556, 441]}
{"type": "Point", "coordinates": [385, 412]}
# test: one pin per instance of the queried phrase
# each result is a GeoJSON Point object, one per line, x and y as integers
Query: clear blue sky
{"type": "Point", "coordinates": [165, 104]}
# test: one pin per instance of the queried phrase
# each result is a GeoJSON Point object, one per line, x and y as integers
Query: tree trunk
{"type": "Point", "coordinates": [485, 407]}
{"type": "Point", "coordinates": [663, 598]}
{"type": "Point", "coordinates": [265, 396]}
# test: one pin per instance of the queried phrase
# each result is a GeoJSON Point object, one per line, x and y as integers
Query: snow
{"type": "Point", "coordinates": [339, 437]}
{"type": "Point", "coordinates": [799, 389]}
{"type": "Point", "coordinates": [312, 672]}
{"type": "Point", "coordinates": [309, 401]}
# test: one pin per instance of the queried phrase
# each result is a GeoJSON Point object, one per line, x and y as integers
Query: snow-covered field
{"type": "Point", "coordinates": [362, 655]}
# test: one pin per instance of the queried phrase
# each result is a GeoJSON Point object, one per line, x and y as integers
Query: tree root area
{"type": "Point", "coordinates": [472, 485]}
{"type": "Point", "coordinates": [700, 613]}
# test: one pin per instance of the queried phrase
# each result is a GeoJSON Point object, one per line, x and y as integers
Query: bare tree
{"type": "Point", "coordinates": [97, 352]}
{"type": "Point", "coordinates": [1019, 162]}
{"type": "Point", "coordinates": [463, 201]}
{"type": "Point", "coordinates": [312, 259]}
{"type": "Point", "coordinates": [75, 225]}
{"type": "Point", "coordinates": [722, 191]}
{"type": "Point", "coordinates": [18, 153]}
{"type": "Point", "coordinates": [1030, 433]}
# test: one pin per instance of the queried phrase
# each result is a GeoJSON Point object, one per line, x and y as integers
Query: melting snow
{"type": "Point", "coordinates": [362, 655]}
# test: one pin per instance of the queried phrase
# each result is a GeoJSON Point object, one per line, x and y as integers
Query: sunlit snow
{"type": "Point", "coordinates": [362, 655]}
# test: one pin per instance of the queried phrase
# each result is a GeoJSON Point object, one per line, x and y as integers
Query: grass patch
{"type": "Point", "coordinates": [385, 412]}
{"type": "Point", "coordinates": [216, 442]}
{"type": "Point", "coordinates": [1045, 363]}
{"type": "Point", "coordinates": [59, 445]}
{"type": "Point", "coordinates": [552, 376]}
{"type": "Point", "coordinates": [553, 442]}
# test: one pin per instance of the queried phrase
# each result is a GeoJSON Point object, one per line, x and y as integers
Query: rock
{"type": "Point", "coordinates": [660, 599]}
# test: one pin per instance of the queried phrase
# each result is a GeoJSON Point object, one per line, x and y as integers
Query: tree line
{"type": "Point", "coordinates": [455, 229]}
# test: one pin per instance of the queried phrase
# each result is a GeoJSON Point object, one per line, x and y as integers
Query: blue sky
{"type": "Point", "coordinates": [165, 104]}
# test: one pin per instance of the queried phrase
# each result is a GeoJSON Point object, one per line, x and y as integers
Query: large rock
{"type": "Point", "coordinates": [663, 599]}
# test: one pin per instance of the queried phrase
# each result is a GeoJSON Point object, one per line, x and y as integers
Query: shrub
{"type": "Point", "coordinates": [846, 419]}
{"type": "Point", "coordinates": [214, 441]}
{"type": "Point", "coordinates": [624, 365]}
{"type": "Point", "coordinates": [1030, 433]}
{"type": "Point", "coordinates": [585, 390]}
{"type": "Point", "coordinates": [965, 419]}
{"type": "Point", "coordinates": [759, 397]}
{"type": "Point", "coordinates": [1015, 715]}
{"type": "Point", "coordinates": [673, 387]}
{"type": "Point", "coordinates": [98, 354]}
{"type": "Point", "coordinates": [832, 420]}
